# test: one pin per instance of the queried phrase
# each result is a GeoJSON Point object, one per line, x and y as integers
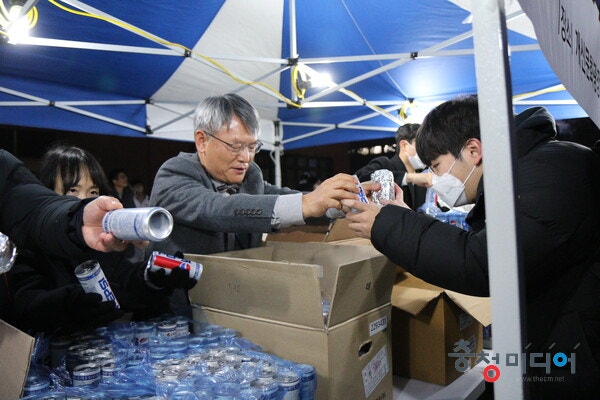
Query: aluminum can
{"type": "Point", "coordinates": [109, 368]}
{"type": "Point", "coordinates": [143, 333]}
{"type": "Point", "coordinates": [386, 179]}
{"type": "Point", "coordinates": [36, 383]}
{"type": "Point", "coordinates": [167, 329]}
{"type": "Point", "coordinates": [92, 279]}
{"type": "Point", "coordinates": [86, 374]}
{"type": "Point", "coordinates": [143, 223]}
{"type": "Point", "coordinates": [168, 262]}
{"type": "Point", "coordinates": [308, 381]}
{"type": "Point", "coordinates": [267, 388]}
{"type": "Point", "coordinates": [361, 193]}
{"type": "Point", "coordinates": [289, 385]}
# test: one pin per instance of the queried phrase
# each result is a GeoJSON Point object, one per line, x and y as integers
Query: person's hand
{"type": "Point", "coordinates": [177, 278]}
{"type": "Point", "coordinates": [420, 179]}
{"type": "Point", "coordinates": [88, 309]}
{"type": "Point", "coordinates": [369, 187]}
{"type": "Point", "coordinates": [398, 198]}
{"type": "Point", "coordinates": [329, 195]}
{"type": "Point", "coordinates": [92, 231]}
{"type": "Point", "coordinates": [361, 220]}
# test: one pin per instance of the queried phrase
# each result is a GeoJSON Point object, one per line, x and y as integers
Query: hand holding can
{"type": "Point", "coordinates": [93, 280]}
{"type": "Point", "coordinates": [143, 223]}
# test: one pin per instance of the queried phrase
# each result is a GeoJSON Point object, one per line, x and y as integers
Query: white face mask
{"type": "Point", "coordinates": [415, 161]}
{"type": "Point", "coordinates": [450, 188]}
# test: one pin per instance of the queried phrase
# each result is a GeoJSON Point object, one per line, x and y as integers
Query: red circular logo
{"type": "Point", "coordinates": [491, 377]}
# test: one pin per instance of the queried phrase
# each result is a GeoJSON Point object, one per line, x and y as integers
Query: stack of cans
{"type": "Point", "coordinates": [141, 359]}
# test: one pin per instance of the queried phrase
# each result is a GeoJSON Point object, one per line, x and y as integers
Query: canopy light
{"type": "Point", "coordinates": [304, 77]}
{"type": "Point", "coordinates": [17, 20]}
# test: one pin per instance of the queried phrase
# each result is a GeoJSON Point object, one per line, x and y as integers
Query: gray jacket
{"type": "Point", "coordinates": [203, 216]}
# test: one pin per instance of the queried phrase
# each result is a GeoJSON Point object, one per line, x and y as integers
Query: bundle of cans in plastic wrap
{"type": "Point", "coordinates": [161, 359]}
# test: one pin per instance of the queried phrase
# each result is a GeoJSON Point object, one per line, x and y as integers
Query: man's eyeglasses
{"type": "Point", "coordinates": [237, 148]}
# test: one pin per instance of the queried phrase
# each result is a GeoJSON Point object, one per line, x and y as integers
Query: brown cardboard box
{"type": "Point", "coordinates": [16, 348]}
{"type": "Point", "coordinates": [272, 296]}
{"type": "Point", "coordinates": [427, 321]}
{"type": "Point", "coordinates": [335, 231]}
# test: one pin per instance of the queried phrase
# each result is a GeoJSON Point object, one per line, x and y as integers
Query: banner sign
{"type": "Point", "coordinates": [568, 32]}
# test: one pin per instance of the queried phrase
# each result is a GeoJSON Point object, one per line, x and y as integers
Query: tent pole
{"type": "Point", "coordinates": [496, 121]}
{"type": "Point", "coordinates": [293, 42]}
{"type": "Point", "coordinates": [276, 153]}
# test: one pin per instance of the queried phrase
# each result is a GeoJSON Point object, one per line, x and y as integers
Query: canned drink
{"type": "Point", "coordinates": [92, 279]}
{"type": "Point", "coordinates": [167, 262]}
{"type": "Point", "coordinates": [142, 223]}
{"type": "Point", "coordinates": [86, 374]}
{"type": "Point", "coordinates": [182, 327]}
{"type": "Point", "coordinates": [167, 329]}
{"type": "Point", "coordinates": [36, 383]}
{"type": "Point", "coordinates": [386, 179]}
{"type": "Point", "coordinates": [143, 333]}
{"type": "Point", "coordinates": [72, 357]}
{"type": "Point", "coordinates": [361, 193]}
{"type": "Point", "coordinates": [268, 389]}
{"type": "Point", "coordinates": [308, 381]}
{"type": "Point", "coordinates": [109, 368]}
{"type": "Point", "coordinates": [289, 385]}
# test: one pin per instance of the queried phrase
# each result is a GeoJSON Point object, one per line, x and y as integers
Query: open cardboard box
{"type": "Point", "coordinates": [427, 321]}
{"type": "Point", "coordinates": [337, 230]}
{"type": "Point", "coordinates": [16, 348]}
{"type": "Point", "coordinates": [272, 295]}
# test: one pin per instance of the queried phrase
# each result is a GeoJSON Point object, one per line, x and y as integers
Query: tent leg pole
{"type": "Point", "coordinates": [277, 153]}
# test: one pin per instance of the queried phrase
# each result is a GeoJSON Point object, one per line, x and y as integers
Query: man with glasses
{"type": "Point", "coordinates": [557, 188]}
{"type": "Point", "coordinates": [218, 197]}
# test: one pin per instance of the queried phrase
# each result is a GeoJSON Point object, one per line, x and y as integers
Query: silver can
{"type": "Point", "coordinates": [144, 223]}
{"type": "Point", "coordinates": [386, 180]}
{"type": "Point", "coordinates": [86, 374]}
{"type": "Point", "coordinates": [92, 279]}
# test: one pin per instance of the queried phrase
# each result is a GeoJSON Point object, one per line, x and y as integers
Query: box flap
{"type": "Point", "coordinates": [480, 308]}
{"type": "Point", "coordinates": [339, 231]}
{"type": "Point", "coordinates": [281, 290]}
{"type": "Point", "coordinates": [412, 294]}
{"type": "Point", "coordinates": [15, 352]}
{"type": "Point", "coordinates": [286, 281]}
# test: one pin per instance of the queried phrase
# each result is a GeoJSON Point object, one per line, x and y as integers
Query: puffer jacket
{"type": "Point", "coordinates": [557, 188]}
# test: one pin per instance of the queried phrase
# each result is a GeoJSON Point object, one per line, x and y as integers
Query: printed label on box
{"type": "Point", "coordinates": [378, 325]}
{"type": "Point", "coordinates": [375, 371]}
{"type": "Point", "coordinates": [464, 321]}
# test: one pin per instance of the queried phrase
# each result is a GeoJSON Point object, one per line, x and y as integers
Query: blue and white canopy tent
{"type": "Point", "coordinates": [139, 67]}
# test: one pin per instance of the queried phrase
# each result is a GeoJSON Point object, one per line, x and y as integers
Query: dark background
{"type": "Point", "coordinates": [141, 157]}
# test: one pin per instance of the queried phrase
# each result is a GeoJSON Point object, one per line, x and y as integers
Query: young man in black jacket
{"type": "Point", "coordinates": [406, 166]}
{"type": "Point", "coordinates": [558, 218]}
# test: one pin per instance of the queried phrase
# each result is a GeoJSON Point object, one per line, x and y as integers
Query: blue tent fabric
{"type": "Point", "coordinates": [137, 82]}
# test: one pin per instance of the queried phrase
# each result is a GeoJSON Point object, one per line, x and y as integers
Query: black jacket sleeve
{"type": "Point", "coordinates": [34, 216]}
{"type": "Point", "coordinates": [436, 252]}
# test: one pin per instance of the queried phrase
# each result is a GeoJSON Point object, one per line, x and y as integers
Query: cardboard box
{"type": "Point", "coordinates": [16, 348]}
{"type": "Point", "coordinates": [427, 321]}
{"type": "Point", "coordinates": [337, 230]}
{"type": "Point", "coordinates": [272, 296]}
